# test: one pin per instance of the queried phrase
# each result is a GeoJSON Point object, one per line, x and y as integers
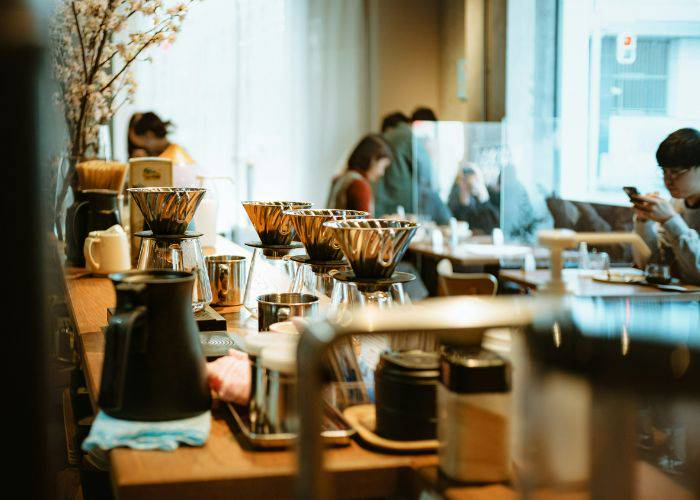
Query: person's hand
{"type": "Point", "coordinates": [465, 191]}
{"type": "Point", "coordinates": [653, 207]}
{"type": "Point", "coordinates": [472, 184]}
{"type": "Point", "coordinates": [478, 187]}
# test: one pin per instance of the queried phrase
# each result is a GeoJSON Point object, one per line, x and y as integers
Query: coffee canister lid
{"type": "Point", "coordinates": [473, 371]}
{"type": "Point", "coordinates": [412, 363]}
{"type": "Point", "coordinates": [280, 358]}
{"type": "Point", "coordinates": [254, 343]}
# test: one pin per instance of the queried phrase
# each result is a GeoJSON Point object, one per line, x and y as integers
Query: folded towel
{"type": "Point", "coordinates": [109, 432]}
{"type": "Point", "coordinates": [229, 376]}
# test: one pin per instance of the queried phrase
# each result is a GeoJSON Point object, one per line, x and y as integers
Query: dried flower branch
{"type": "Point", "coordinates": [90, 81]}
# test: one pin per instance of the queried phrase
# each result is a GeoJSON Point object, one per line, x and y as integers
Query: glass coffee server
{"type": "Point", "coordinates": [168, 244]}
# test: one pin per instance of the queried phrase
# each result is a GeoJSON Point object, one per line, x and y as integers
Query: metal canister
{"type": "Point", "coordinates": [474, 415]}
{"type": "Point", "coordinates": [279, 363]}
{"type": "Point", "coordinates": [227, 275]}
{"type": "Point", "coordinates": [254, 345]}
{"type": "Point", "coordinates": [405, 384]}
{"type": "Point", "coordinates": [277, 307]}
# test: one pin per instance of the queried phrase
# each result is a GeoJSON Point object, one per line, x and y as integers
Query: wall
{"type": "Point", "coordinates": [453, 44]}
{"type": "Point", "coordinates": [416, 47]}
{"type": "Point", "coordinates": [496, 17]}
{"type": "Point", "coordinates": [476, 109]}
{"type": "Point", "coordinates": [405, 56]}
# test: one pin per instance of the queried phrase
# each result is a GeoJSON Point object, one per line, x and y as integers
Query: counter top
{"type": "Point", "coordinates": [225, 467]}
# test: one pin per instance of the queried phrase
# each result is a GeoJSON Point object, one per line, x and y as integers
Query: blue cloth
{"type": "Point", "coordinates": [108, 432]}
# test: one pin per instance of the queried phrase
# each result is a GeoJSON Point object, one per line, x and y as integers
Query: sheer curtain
{"type": "Point", "coordinates": [273, 94]}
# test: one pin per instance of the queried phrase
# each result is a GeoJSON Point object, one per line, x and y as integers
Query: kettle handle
{"type": "Point", "coordinates": [118, 338]}
{"type": "Point", "coordinates": [74, 221]}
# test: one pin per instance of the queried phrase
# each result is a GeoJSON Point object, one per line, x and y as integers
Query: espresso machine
{"type": "Point", "coordinates": [168, 244]}
{"type": "Point", "coordinates": [324, 258]}
{"type": "Point", "coordinates": [276, 234]}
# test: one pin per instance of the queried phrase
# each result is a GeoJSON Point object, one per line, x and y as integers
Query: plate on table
{"type": "Point", "coordinates": [626, 277]}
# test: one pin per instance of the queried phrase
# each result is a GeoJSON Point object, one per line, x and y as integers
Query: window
{"type": "Point", "coordinates": [615, 111]}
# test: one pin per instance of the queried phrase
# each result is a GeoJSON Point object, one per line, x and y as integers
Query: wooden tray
{"type": "Point", "coordinates": [208, 320]}
{"type": "Point", "coordinates": [336, 431]}
{"type": "Point", "coordinates": [362, 419]}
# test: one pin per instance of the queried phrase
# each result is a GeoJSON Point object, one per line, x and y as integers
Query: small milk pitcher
{"type": "Point", "coordinates": [107, 251]}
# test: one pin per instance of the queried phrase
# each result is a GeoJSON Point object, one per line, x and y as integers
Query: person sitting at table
{"type": "Point", "coordinates": [352, 189]}
{"type": "Point", "coordinates": [423, 114]}
{"type": "Point", "coordinates": [670, 228]}
{"type": "Point", "coordinates": [393, 119]}
{"type": "Point", "coordinates": [411, 171]}
{"type": "Point", "coordinates": [148, 136]}
{"type": "Point", "coordinates": [471, 201]}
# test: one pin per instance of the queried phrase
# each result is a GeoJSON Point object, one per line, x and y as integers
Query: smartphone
{"type": "Point", "coordinates": [631, 191]}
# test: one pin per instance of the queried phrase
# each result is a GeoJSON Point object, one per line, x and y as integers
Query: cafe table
{"type": "Point", "coordinates": [226, 467]}
{"type": "Point", "coordinates": [582, 283]}
{"type": "Point", "coordinates": [474, 251]}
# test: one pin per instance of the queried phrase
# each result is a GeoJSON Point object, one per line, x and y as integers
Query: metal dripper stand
{"type": "Point", "coordinates": [276, 235]}
{"type": "Point", "coordinates": [373, 248]}
{"type": "Point", "coordinates": [324, 259]}
{"type": "Point", "coordinates": [168, 244]}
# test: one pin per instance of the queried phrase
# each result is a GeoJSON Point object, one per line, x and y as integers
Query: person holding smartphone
{"type": "Point", "coordinates": [672, 227]}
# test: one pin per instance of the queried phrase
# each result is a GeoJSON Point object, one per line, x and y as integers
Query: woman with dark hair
{"type": "Point", "coordinates": [148, 137]}
{"type": "Point", "coordinates": [671, 228]}
{"type": "Point", "coordinates": [352, 189]}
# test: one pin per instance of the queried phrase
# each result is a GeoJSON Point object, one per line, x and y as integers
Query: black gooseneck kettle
{"type": "Point", "coordinates": [154, 368]}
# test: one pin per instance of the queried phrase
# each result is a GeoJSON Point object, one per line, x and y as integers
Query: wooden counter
{"type": "Point", "coordinates": [224, 467]}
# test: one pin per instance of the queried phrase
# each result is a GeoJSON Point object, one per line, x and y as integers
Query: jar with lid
{"type": "Point", "coordinates": [405, 387]}
{"type": "Point", "coordinates": [474, 415]}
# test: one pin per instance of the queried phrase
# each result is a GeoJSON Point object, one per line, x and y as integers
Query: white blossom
{"type": "Point", "coordinates": [94, 44]}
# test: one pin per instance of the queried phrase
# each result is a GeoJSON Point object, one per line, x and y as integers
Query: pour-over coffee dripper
{"type": "Point", "coordinates": [323, 256]}
{"type": "Point", "coordinates": [168, 244]}
{"type": "Point", "coordinates": [373, 248]}
{"type": "Point", "coordinates": [276, 235]}
{"type": "Point", "coordinates": [167, 210]}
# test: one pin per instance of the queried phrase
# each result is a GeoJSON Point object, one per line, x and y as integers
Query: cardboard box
{"type": "Point", "coordinates": [145, 172]}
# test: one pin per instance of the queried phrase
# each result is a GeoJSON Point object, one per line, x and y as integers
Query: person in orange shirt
{"type": "Point", "coordinates": [148, 136]}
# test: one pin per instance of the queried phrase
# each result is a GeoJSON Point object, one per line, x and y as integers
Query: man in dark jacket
{"type": "Point", "coordinates": [398, 186]}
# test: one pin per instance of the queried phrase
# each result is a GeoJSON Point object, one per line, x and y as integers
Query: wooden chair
{"type": "Point", "coordinates": [451, 283]}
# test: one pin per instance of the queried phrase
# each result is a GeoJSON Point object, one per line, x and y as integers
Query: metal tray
{"type": "Point", "coordinates": [337, 432]}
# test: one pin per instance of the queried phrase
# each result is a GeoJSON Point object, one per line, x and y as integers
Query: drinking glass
{"type": "Point", "coordinates": [599, 261]}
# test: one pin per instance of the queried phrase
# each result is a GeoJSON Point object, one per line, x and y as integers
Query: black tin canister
{"type": "Point", "coordinates": [405, 388]}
